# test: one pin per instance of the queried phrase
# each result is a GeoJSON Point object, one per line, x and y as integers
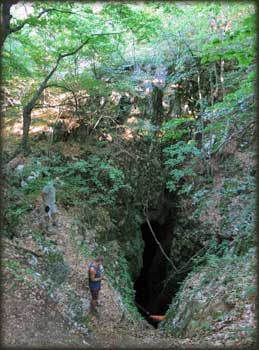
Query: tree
{"type": "Point", "coordinates": [79, 21]}
{"type": "Point", "coordinates": [54, 37]}
{"type": "Point", "coordinates": [27, 109]}
{"type": "Point", "coordinates": [5, 8]}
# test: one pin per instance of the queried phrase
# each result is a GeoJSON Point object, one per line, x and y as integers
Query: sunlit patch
{"type": "Point", "coordinates": [115, 97]}
{"type": "Point", "coordinates": [135, 110]}
{"type": "Point", "coordinates": [15, 129]}
{"type": "Point", "coordinates": [97, 6]}
{"type": "Point", "coordinates": [22, 10]}
{"type": "Point", "coordinates": [102, 101]}
{"type": "Point", "coordinates": [132, 120]}
{"type": "Point", "coordinates": [160, 134]}
{"type": "Point", "coordinates": [128, 135]}
{"type": "Point", "coordinates": [39, 129]}
{"type": "Point", "coordinates": [71, 124]}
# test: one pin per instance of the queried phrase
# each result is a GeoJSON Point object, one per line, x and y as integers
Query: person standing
{"type": "Point", "coordinates": [95, 276]}
{"type": "Point", "coordinates": [49, 200]}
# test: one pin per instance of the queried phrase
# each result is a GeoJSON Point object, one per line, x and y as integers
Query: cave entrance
{"type": "Point", "coordinates": [149, 295]}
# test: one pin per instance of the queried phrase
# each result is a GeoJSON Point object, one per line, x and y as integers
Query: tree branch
{"type": "Point", "coordinates": [232, 135]}
{"type": "Point", "coordinates": [160, 247]}
{"type": "Point", "coordinates": [65, 11]}
{"type": "Point", "coordinates": [74, 51]}
{"type": "Point", "coordinates": [27, 109]}
{"type": "Point", "coordinates": [41, 105]}
{"type": "Point", "coordinates": [19, 27]}
{"type": "Point", "coordinates": [43, 85]}
{"type": "Point", "coordinates": [27, 21]}
{"type": "Point", "coordinates": [109, 33]}
{"type": "Point", "coordinates": [67, 89]}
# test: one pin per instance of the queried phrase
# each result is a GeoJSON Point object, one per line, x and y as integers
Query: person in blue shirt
{"type": "Point", "coordinates": [95, 275]}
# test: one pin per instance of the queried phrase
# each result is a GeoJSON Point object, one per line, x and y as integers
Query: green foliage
{"type": "Point", "coordinates": [238, 45]}
{"type": "Point", "coordinates": [14, 265]}
{"type": "Point", "coordinates": [231, 274]}
{"type": "Point", "coordinates": [15, 209]}
{"type": "Point", "coordinates": [237, 104]}
{"type": "Point", "coordinates": [176, 129]}
{"type": "Point", "coordinates": [143, 24]}
{"type": "Point", "coordinates": [89, 83]}
{"type": "Point", "coordinates": [82, 183]}
{"type": "Point", "coordinates": [57, 269]}
{"type": "Point", "coordinates": [122, 282]}
{"type": "Point", "coordinates": [240, 218]}
{"type": "Point", "coordinates": [14, 212]}
{"type": "Point", "coordinates": [16, 270]}
{"type": "Point", "coordinates": [43, 39]}
{"type": "Point", "coordinates": [82, 247]}
{"type": "Point", "coordinates": [182, 156]}
{"type": "Point", "coordinates": [94, 180]}
{"type": "Point", "coordinates": [168, 8]}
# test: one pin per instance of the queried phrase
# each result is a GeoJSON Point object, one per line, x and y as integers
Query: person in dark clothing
{"type": "Point", "coordinates": [95, 275]}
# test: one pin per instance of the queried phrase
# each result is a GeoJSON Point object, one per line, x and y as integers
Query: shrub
{"type": "Point", "coordinates": [182, 156]}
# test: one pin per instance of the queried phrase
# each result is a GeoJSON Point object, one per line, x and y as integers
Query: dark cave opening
{"type": "Point", "coordinates": [157, 283]}
{"type": "Point", "coordinates": [149, 297]}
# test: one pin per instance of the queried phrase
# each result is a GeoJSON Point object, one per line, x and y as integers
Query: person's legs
{"type": "Point", "coordinates": [94, 300]}
{"type": "Point", "coordinates": [54, 219]}
{"type": "Point", "coordinates": [54, 216]}
{"type": "Point", "coordinates": [46, 221]}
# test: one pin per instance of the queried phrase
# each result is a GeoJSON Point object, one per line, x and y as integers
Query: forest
{"type": "Point", "coordinates": [128, 147]}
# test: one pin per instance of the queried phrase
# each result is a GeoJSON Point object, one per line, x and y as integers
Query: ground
{"type": "Point", "coordinates": [38, 311]}
{"type": "Point", "coordinates": [33, 317]}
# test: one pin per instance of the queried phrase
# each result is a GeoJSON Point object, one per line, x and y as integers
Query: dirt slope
{"type": "Point", "coordinates": [36, 314]}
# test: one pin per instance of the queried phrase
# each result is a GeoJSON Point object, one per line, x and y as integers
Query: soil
{"type": "Point", "coordinates": [32, 319]}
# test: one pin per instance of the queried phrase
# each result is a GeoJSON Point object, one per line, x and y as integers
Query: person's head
{"type": "Point", "coordinates": [50, 183]}
{"type": "Point", "coordinates": [53, 182]}
{"type": "Point", "coordinates": [99, 260]}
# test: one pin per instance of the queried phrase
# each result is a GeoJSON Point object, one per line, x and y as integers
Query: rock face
{"type": "Point", "coordinates": [217, 298]}
{"type": "Point", "coordinates": [209, 232]}
{"type": "Point", "coordinates": [217, 301]}
{"type": "Point", "coordinates": [220, 210]}
{"type": "Point", "coordinates": [141, 163]}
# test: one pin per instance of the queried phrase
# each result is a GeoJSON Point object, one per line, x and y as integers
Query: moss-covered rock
{"type": "Point", "coordinates": [216, 296]}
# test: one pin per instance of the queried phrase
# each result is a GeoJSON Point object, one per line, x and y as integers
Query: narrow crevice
{"type": "Point", "coordinates": [150, 282]}
{"type": "Point", "coordinates": [153, 295]}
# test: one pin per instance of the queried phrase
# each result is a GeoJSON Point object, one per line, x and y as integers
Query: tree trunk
{"type": "Point", "coordinates": [157, 107]}
{"type": "Point", "coordinates": [216, 91]}
{"type": "Point", "coordinates": [27, 109]}
{"type": "Point", "coordinates": [30, 105]}
{"type": "Point", "coordinates": [6, 16]}
{"type": "Point", "coordinates": [222, 78]}
{"type": "Point", "coordinates": [211, 89]}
